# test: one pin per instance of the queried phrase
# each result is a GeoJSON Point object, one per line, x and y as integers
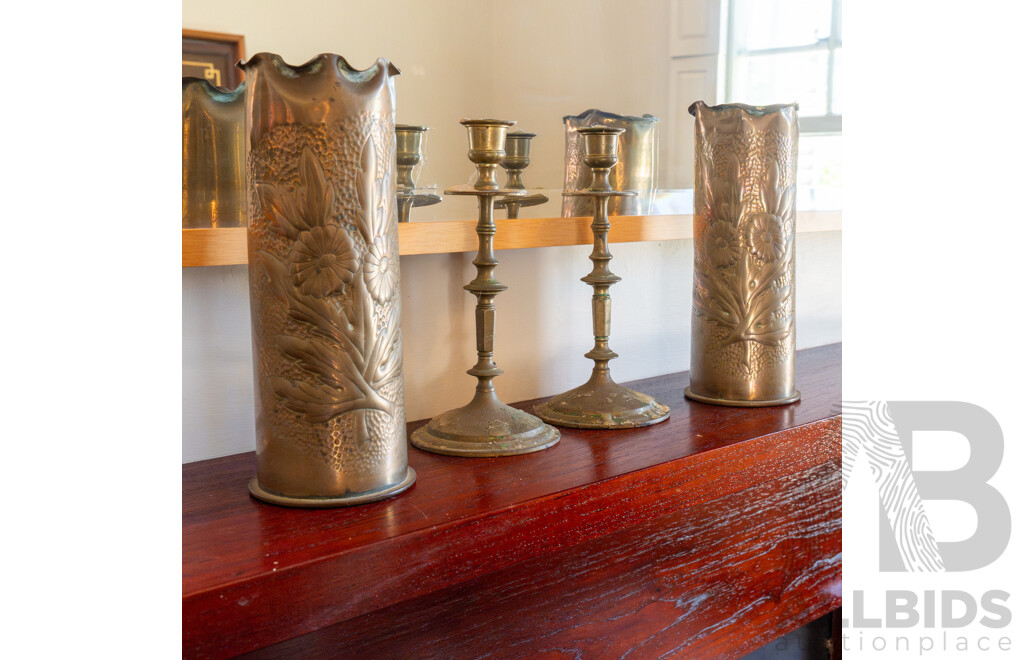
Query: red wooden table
{"type": "Point", "coordinates": [708, 535]}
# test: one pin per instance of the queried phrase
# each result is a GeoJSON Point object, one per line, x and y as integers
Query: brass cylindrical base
{"type": "Point", "coordinates": [271, 497]}
{"type": "Point", "coordinates": [690, 394]}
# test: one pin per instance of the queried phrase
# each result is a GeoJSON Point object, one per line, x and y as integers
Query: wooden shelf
{"type": "Point", "coordinates": [227, 246]}
{"type": "Point", "coordinates": [708, 535]}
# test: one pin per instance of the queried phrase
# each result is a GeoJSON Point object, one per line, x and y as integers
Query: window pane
{"type": "Point", "coordinates": [837, 87]}
{"type": "Point", "coordinates": [819, 176]}
{"type": "Point", "coordinates": [783, 78]}
{"type": "Point", "coordinates": [775, 23]}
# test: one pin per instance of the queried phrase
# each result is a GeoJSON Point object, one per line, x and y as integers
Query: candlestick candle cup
{"type": "Point", "coordinates": [517, 159]}
{"type": "Point", "coordinates": [408, 153]}
{"type": "Point", "coordinates": [409, 142]}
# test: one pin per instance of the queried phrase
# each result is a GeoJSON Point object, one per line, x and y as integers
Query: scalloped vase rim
{"type": "Point", "coordinates": [611, 115]}
{"type": "Point", "coordinates": [213, 91]}
{"type": "Point", "coordinates": [311, 66]}
{"type": "Point", "coordinates": [754, 110]}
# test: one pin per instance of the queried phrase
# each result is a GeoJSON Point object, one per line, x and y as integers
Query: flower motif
{"type": "Point", "coordinates": [724, 247]}
{"type": "Point", "coordinates": [309, 206]}
{"type": "Point", "coordinates": [323, 261]}
{"type": "Point", "coordinates": [765, 236]}
{"type": "Point", "coordinates": [382, 269]}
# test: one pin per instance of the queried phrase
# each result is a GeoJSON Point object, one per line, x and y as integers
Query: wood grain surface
{"type": "Point", "coordinates": [227, 246]}
{"type": "Point", "coordinates": [715, 580]}
{"type": "Point", "coordinates": [715, 531]}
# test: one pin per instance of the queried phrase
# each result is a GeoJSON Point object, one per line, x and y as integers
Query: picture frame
{"type": "Point", "coordinates": [212, 56]}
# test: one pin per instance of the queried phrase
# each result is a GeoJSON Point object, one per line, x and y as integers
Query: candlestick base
{"type": "Point", "coordinates": [602, 403]}
{"type": "Point", "coordinates": [485, 427]}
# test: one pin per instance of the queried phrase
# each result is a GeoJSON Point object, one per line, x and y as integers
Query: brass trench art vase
{"type": "Point", "coordinates": [517, 159]}
{"type": "Point", "coordinates": [324, 282]}
{"type": "Point", "coordinates": [409, 141]}
{"type": "Point", "coordinates": [635, 170]}
{"type": "Point", "coordinates": [212, 155]}
{"type": "Point", "coordinates": [485, 426]}
{"type": "Point", "coordinates": [744, 225]}
{"type": "Point", "coordinates": [601, 403]}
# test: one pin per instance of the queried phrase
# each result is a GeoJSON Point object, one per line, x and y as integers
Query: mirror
{"type": "Point", "coordinates": [537, 61]}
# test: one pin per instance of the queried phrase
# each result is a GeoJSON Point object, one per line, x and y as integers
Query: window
{"type": "Point", "coordinates": [779, 51]}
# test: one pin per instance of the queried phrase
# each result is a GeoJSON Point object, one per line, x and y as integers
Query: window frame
{"type": "Point", "coordinates": [830, 122]}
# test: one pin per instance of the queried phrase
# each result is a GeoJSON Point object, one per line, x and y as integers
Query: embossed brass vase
{"type": "Point", "coordinates": [636, 169]}
{"type": "Point", "coordinates": [324, 282]}
{"type": "Point", "coordinates": [744, 225]}
{"type": "Point", "coordinates": [212, 155]}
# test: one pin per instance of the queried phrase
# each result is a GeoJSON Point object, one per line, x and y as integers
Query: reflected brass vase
{"type": "Point", "coordinates": [485, 426]}
{"type": "Point", "coordinates": [324, 282]}
{"type": "Point", "coordinates": [601, 403]}
{"type": "Point", "coordinates": [635, 170]}
{"type": "Point", "coordinates": [212, 155]}
{"type": "Point", "coordinates": [409, 144]}
{"type": "Point", "coordinates": [744, 227]}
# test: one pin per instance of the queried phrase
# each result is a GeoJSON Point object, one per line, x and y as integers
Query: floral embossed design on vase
{"type": "Point", "coordinates": [324, 279]}
{"type": "Point", "coordinates": [382, 269]}
{"type": "Point", "coordinates": [743, 346]}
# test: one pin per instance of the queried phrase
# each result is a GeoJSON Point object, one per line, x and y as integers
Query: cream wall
{"type": "Point", "coordinates": [561, 58]}
{"type": "Point", "coordinates": [461, 59]}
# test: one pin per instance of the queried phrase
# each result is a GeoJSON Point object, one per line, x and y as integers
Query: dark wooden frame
{"type": "Point", "coordinates": [222, 51]}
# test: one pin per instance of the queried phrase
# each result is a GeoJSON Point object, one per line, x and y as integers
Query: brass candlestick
{"type": "Point", "coordinates": [601, 403]}
{"type": "Point", "coordinates": [409, 154]}
{"type": "Point", "coordinates": [517, 159]}
{"type": "Point", "coordinates": [486, 426]}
